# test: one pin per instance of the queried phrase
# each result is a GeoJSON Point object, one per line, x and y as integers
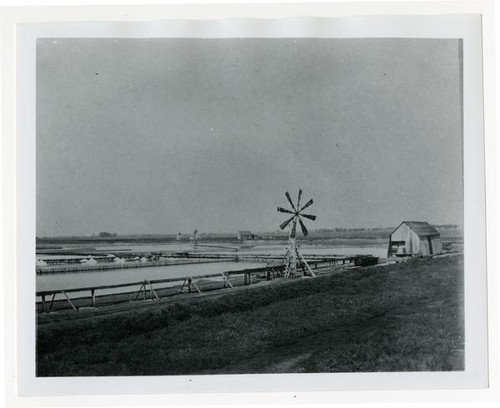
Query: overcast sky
{"type": "Point", "coordinates": [168, 135]}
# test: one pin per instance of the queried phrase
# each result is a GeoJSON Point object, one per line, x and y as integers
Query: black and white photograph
{"type": "Point", "coordinates": [219, 205]}
{"type": "Point", "coordinates": [236, 206]}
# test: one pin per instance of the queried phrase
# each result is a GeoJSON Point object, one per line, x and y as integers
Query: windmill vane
{"type": "Point", "coordinates": [296, 215]}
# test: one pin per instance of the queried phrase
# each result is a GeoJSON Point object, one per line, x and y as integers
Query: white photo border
{"type": "Point", "coordinates": [459, 26]}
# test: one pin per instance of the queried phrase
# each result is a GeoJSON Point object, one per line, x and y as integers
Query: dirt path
{"type": "Point", "coordinates": [289, 365]}
{"type": "Point", "coordinates": [292, 358]}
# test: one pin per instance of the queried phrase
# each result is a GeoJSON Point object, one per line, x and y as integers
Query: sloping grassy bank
{"type": "Point", "coordinates": [392, 318]}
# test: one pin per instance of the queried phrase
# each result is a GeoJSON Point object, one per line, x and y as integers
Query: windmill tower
{"type": "Point", "coordinates": [196, 238]}
{"type": "Point", "coordinates": [292, 253]}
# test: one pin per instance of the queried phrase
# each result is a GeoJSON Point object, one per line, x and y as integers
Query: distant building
{"type": "Point", "coordinates": [414, 238]}
{"type": "Point", "coordinates": [245, 235]}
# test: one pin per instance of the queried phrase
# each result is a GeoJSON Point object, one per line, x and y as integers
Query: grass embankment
{"type": "Point", "coordinates": [406, 317]}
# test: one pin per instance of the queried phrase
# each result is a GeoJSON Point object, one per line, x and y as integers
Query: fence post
{"type": "Point", "coordinates": [92, 292]}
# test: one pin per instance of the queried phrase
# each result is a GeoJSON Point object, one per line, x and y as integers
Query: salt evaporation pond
{"type": "Point", "coordinates": [62, 281]}
{"type": "Point", "coordinates": [126, 275]}
{"type": "Point", "coordinates": [379, 251]}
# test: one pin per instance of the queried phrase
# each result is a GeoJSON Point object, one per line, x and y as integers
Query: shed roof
{"type": "Point", "coordinates": [421, 228]}
{"type": "Point", "coordinates": [245, 232]}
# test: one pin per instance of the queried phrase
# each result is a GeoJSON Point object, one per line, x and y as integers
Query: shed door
{"type": "Point", "coordinates": [429, 240]}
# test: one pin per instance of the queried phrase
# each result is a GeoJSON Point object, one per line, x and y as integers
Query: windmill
{"type": "Point", "coordinates": [292, 253]}
{"type": "Point", "coordinates": [196, 238]}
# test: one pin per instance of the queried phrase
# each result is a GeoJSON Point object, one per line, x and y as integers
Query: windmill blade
{"type": "Point", "coordinates": [298, 200]}
{"type": "Point", "coordinates": [283, 226]}
{"type": "Point", "coordinates": [307, 205]}
{"type": "Point", "coordinates": [303, 227]}
{"type": "Point", "coordinates": [290, 200]}
{"type": "Point", "coordinates": [294, 229]}
{"type": "Point", "coordinates": [308, 216]}
{"type": "Point", "coordinates": [284, 210]}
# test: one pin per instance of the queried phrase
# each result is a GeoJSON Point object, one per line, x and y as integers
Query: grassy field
{"type": "Point", "coordinates": [404, 317]}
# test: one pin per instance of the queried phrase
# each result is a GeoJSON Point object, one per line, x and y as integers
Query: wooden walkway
{"type": "Point", "coordinates": [148, 288]}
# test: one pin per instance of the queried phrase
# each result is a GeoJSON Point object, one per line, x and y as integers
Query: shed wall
{"type": "Point", "coordinates": [413, 243]}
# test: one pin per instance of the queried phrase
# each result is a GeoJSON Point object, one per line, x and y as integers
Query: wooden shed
{"type": "Point", "coordinates": [414, 238]}
{"type": "Point", "coordinates": [245, 235]}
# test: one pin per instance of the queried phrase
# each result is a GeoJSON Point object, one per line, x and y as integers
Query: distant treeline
{"type": "Point", "coordinates": [331, 230]}
{"type": "Point", "coordinates": [105, 234]}
{"type": "Point", "coordinates": [322, 232]}
{"type": "Point", "coordinates": [327, 230]}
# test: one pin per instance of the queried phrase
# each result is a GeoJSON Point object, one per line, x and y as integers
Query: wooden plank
{"type": "Point", "coordinates": [182, 286]}
{"type": "Point", "coordinates": [87, 288]}
{"type": "Point", "coordinates": [307, 265]}
{"type": "Point", "coordinates": [245, 272]}
{"type": "Point", "coordinates": [196, 286]}
{"type": "Point", "coordinates": [69, 300]}
{"type": "Point", "coordinates": [122, 285]}
{"type": "Point", "coordinates": [82, 289]}
{"type": "Point", "coordinates": [52, 301]}
{"type": "Point", "coordinates": [139, 292]}
{"type": "Point", "coordinates": [226, 280]}
{"type": "Point", "coordinates": [153, 291]}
